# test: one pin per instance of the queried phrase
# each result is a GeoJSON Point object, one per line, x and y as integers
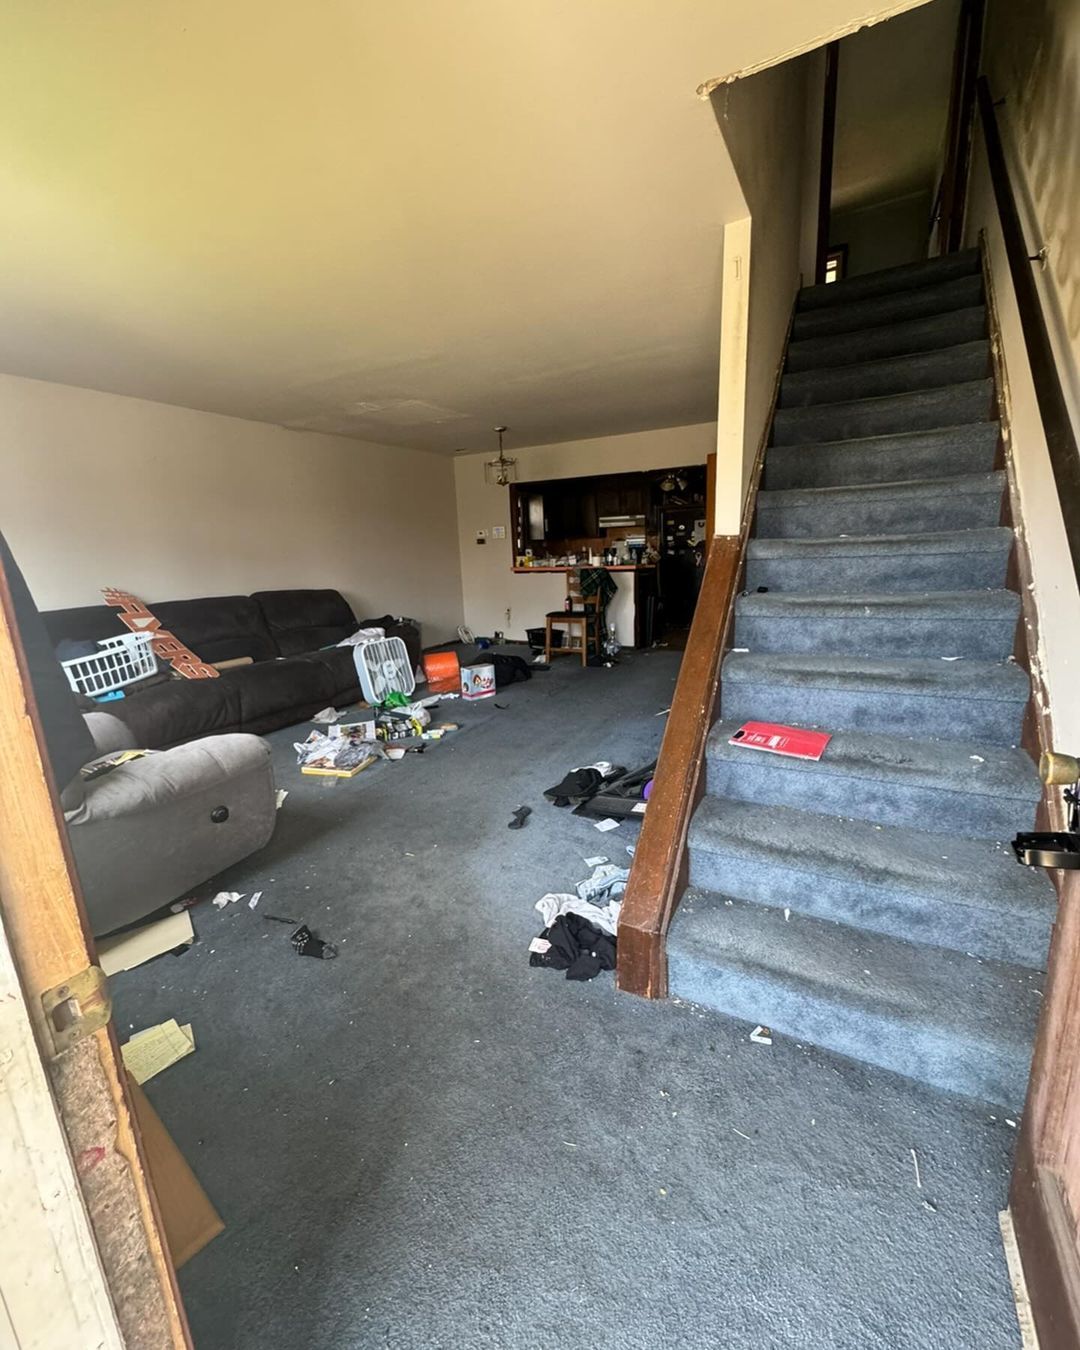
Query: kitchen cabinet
{"type": "Point", "coordinates": [571, 510]}
{"type": "Point", "coordinates": [625, 495]}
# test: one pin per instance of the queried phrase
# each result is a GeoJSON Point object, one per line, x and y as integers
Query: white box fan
{"type": "Point", "coordinates": [383, 668]}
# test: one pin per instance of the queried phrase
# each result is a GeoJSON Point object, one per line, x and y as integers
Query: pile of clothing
{"type": "Point", "coordinates": [579, 930]}
{"type": "Point", "coordinates": [604, 789]}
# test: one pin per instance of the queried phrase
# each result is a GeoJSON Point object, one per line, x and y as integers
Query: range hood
{"type": "Point", "coordinates": [619, 522]}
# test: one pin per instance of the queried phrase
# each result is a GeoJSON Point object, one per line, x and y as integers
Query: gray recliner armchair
{"type": "Point", "coordinates": [144, 832]}
{"type": "Point", "coordinates": [147, 831]}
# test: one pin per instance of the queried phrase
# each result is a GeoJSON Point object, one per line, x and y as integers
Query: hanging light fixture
{"type": "Point", "coordinates": [501, 471]}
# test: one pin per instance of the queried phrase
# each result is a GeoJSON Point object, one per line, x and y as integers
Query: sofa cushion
{"type": "Point", "coordinates": [85, 623]}
{"type": "Point", "coordinates": [340, 666]}
{"type": "Point", "coordinates": [258, 699]}
{"type": "Point", "coordinates": [273, 690]}
{"type": "Point", "coordinates": [180, 710]}
{"type": "Point", "coordinates": [302, 621]}
{"type": "Point", "coordinates": [216, 628]}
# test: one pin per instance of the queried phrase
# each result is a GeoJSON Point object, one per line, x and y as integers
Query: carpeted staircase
{"type": "Point", "coordinates": [869, 903]}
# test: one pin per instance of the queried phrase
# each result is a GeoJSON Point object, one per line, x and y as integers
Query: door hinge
{"type": "Point", "coordinates": [77, 1008]}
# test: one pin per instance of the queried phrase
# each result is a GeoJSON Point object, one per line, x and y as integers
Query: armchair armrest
{"type": "Point", "coordinates": [108, 732]}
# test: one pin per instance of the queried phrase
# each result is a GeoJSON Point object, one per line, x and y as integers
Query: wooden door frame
{"type": "Point", "coordinates": [48, 933]}
{"type": "Point", "coordinates": [825, 167]}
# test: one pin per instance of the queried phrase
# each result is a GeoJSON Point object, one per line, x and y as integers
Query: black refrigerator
{"type": "Point", "coordinates": [680, 567]}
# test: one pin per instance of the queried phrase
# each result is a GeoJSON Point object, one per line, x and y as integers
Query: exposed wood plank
{"type": "Point", "coordinates": [190, 1220]}
{"type": "Point", "coordinates": [1029, 1339]}
{"type": "Point", "coordinates": [46, 924]}
{"type": "Point", "coordinates": [52, 1287]}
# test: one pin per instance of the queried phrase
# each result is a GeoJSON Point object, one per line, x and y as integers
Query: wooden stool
{"type": "Point", "coordinates": [582, 621]}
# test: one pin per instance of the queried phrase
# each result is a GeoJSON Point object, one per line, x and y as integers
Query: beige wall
{"type": "Point", "coordinates": [763, 121]}
{"type": "Point", "coordinates": [1032, 55]}
{"type": "Point", "coordinates": [489, 585]}
{"type": "Point", "coordinates": [885, 234]}
{"type": "Point", "coordinates": [103, 490]}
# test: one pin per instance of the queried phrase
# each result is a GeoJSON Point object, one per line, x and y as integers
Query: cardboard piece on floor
{"type": "Point", "coordinates": [148, 1052]}
{"type": "Point", "coordinates": [189, 1219]}
{"type": "Point", "coordinates": [125, 951]}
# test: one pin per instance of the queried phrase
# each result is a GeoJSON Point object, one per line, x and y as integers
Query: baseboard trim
{"type": "Point", "coordinates": [1025, 1318]}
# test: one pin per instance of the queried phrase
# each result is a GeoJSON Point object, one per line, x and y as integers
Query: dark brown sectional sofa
{"type": "Point", "coordinates": [290, 636]}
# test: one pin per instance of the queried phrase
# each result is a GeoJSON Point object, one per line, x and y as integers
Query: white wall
{"type": "Point", "coordinates": [489, 586]}
{"type": "Point", "coordinates": [763, 119]}
{"type": "Point", "coordinates": [1031, 56]}
{"type": "Point", "coordinates": [101, 490]}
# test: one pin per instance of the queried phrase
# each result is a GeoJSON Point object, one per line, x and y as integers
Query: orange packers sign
{"type": "Point", "coordinates": [165, 646]}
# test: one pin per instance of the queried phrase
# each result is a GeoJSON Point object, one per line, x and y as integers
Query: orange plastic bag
{"type": "Point", "coordinates": [443, 673]}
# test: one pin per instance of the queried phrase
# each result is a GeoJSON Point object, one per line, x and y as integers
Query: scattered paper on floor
{"type": "Point", "coordinates": [608, 824]}
{"type": "Point", "coordinates": [279, 797]}
{"type": "Point", "coordinates": [150, 1051]}
{"type": "Point", "coordinates": [125, 951]}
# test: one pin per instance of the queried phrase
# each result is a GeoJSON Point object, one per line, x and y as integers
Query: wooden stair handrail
{"type": "Point", "coordinates": [658, 874]}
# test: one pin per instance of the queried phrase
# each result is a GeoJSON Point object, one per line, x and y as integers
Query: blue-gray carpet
{"type": "Point", "coordinates": [427, 1145]}
{"type": "Point", "coordinates": [869, 902]}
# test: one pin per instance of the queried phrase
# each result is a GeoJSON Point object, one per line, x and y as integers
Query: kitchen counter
{"type": "Point", "coordinates": [630, 610]}
{"type": "Point", "coordinates": [566, 567]}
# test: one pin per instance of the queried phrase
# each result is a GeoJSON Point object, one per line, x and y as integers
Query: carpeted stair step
{"type": "Point", "coordinates": [940, 453]}
{"type": "Point", "coordinates": [892, 375]}
{"type": "Point", "coordinates": [896, 307]}
{"type": "Point", "coordinates": [896, 339]}
{"type": "Point", "coordinates": [924, 505]}
{"type": "Point", "coordinates": [969, 895]}
{"type": "Point", "coordinates": [908, 276]}
{"type": "Point", "coordinates": [950, 1020]}
{"type": "Point", "coordinates": [946, 787]}
{"type": "Point", "coordinates": [923, 410]}
{"type": "Point", "coordinates": [977, 625]}
{"type": "Point", "coordinates": [959, 559]}
{"type": "Point", "coordinates": [896, 696]}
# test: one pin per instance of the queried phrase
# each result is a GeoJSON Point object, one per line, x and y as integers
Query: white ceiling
{"type": "Point", "coordinates": [892, 105]}
{"type": "Point", "coordinates": [399, 221]}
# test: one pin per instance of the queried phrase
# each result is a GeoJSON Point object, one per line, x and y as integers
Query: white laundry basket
{"type": "Point", "coordinates": [122, 660]}
{"type": "Point", "coordinates": [383, 668]}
